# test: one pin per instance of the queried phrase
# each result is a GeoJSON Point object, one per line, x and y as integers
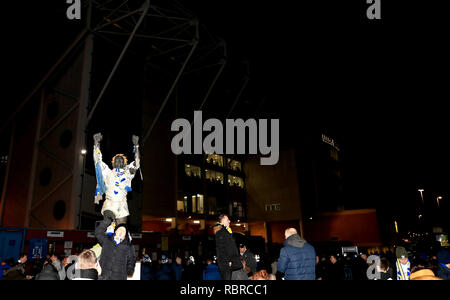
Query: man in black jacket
{"type": "Point", "coordinates": [118, 259]}
{"type": "Point", "coordinates": [228, 257]}
{"type": "Point", "coordinates": [249, 257]}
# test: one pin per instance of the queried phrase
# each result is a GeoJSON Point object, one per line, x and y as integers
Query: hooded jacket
{"type": "Point", "coordinates": [117, 261]}
{"type": "Point", "coordinates": [297, 259]}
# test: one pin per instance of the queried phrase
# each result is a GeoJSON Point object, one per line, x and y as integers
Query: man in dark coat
{"type": "Point", "coordinates": [249, 257]}
{"type": "Point", "coordinates": [117, 259]}
{"type": "Point", "coordinates": [297, 258]}
{"type": "Point", "coordinates": [228, 257]}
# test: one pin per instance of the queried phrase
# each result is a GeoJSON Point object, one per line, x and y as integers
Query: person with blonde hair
{"type": "Point", "coordinates": [87, 267]}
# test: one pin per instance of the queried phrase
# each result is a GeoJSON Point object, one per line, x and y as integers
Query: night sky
{"type": "Point", "coordinates": [379, 85]}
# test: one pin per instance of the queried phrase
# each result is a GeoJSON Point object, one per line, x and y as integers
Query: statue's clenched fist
{"type": "Point", "coordinates": [135, 139]}
{"type": "Point", "coordinates": [97, 138]}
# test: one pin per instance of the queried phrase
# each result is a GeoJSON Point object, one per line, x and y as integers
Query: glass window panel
{"type": "Point", "coordinates": [192, 171]}
{"type": "Point", "coordinates": [180, 205]}
{"type": "Point", "coordinates": [215, 159]}
{"type": "Point", "coordinates": [200, 204]}
{"type": "Point", "coordinates": [194, 204]}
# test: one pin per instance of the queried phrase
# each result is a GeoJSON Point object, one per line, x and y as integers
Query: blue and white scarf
{"type": "Point", "coordinates": [101, 187]}
{"type": "Point", "coordinates": [401, 273]}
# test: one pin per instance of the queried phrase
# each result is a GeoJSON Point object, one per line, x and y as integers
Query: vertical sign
{"type": "Point", "coordinates": [37, 246]}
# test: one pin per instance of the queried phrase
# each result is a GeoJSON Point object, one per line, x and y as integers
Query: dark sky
{"type": "Point", "coordinates": [380, 85]}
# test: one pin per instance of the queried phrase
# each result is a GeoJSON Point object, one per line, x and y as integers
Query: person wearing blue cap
{"type": "Point", "coordinates": [443, 270]}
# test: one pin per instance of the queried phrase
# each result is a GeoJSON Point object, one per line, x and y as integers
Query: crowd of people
{"type": "Point", "coordinates": [114, 258]}
{"type": "Point", "coordinates": [401, 265]}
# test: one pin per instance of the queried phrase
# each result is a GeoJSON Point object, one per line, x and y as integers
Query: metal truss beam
{"type": "Point", "coordinates": [149, 131]}
{"type": "Point", "coordinates": [144, 11]}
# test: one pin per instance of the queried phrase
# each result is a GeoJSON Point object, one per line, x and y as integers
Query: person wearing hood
{"type": "Point", "coordinates": [443, 269]}
{"type": "Point", "coordinates": [403, 265]}
{"type": "Point", "coordinates": [249, 257]}
{"type": "Point", "coordinates": [117, 259]}
{"type": "Point", "coordinates": [297, 258]}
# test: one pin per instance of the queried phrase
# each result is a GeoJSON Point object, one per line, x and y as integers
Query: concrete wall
{"type": "Point", "coordinates": [277, 184]}
{"type": "Point", "coordinates": [357, 226]}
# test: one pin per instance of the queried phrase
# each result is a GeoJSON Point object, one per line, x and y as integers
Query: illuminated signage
{"type": "Point", "coordinates": [330, 141]}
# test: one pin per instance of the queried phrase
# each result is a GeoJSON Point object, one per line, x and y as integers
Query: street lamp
{"type": "Point", "coordinates": [438, 200]}
{"type": "Point", "coordinates": [421, 194]}
{"type": "Point", "coordinates": [83, 155]}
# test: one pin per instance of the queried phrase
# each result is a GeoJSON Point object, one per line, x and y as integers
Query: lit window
{"type": "Point", "coordinates": [235, 181]}
{"type": "Point", "coordinates": [197, 203]}
{"type": "Point", "coordinates": [214, 176]}
{"type": "Point", "coordinates": [234, 164]}
{"type": "Point", "coordinates": [180, 205]}
{"type": "Point", "coordinates": [215, 159]}
{"type": "Point", "coordinates": [272, 207]}
{"type": "Point", "coordinates": [192, 171]}
{"type": "Point", "coordinates": [194, 204]}
{"type": "Point", "coordinates": [200, 205]}
{"type": "Point", "coordinates": [185, 201]}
